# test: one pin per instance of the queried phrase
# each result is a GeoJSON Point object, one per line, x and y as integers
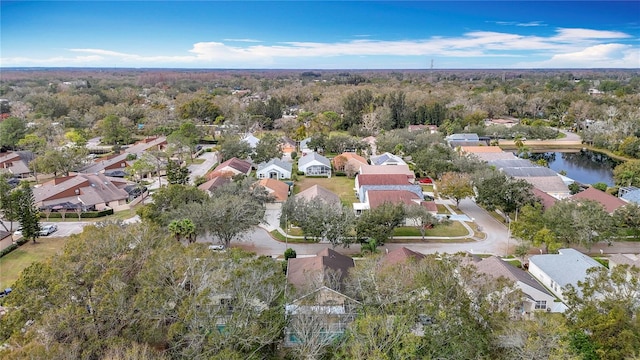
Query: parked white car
{"type": "Point", "coordinates": [216, 247]}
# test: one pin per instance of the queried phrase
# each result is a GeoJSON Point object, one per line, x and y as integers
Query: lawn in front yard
{"type": "Point", "coordinates": [453, 229]}
{"type": "Point", "coordinates": [339, 185]}
{"type": "Point", "coordinates": [12, 264]}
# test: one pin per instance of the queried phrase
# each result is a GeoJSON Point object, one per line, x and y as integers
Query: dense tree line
{"type": "Point", "coordinates": [131, 291]}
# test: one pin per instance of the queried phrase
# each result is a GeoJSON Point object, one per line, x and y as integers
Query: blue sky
{"type": "Point", "coordinates": [321, 35]}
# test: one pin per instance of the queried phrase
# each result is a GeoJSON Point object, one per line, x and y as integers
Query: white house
{"type": "Point", "coordinates": [315, 164]}
{"type": "Point", "coordinates": [556, 271]}
{"type": "Point", "coordinates": [304, 147]}
{"type": "Point", "coordinates": [251, 140]}
{"type": "Point", "coordinates": [387, 159]}
{"type": "Point", "coordinates": [274, 169]}
{"type": "Point", "coordinates": [536, 297]}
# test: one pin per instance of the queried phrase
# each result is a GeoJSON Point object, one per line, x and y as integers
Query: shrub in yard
{"type": "Point", "coordinates": [290, 254]}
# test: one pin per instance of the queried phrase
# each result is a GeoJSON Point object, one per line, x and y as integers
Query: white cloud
{"type": "Point", "coordinates": [242, 40]}
{"type": "Point", "coordinates": [565, 48]}
{"type": "Point", "coordinates": [598, 56]}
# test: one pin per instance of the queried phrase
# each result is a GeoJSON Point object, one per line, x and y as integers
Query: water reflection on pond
{"type": "Point", "coordinates": [587, 167]}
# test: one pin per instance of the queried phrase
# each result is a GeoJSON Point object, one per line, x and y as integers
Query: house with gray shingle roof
{"type": "Point", "coordinates": [274, 169]}
{"type": "Point", "coordinates": [556, 271]}
{"type": "Point", "coordinates": [536, 296]}
{"type": "Point", "coordinates": [314, 164]}
{"type": "Point", "coordinates": [16, 163]}
{"type": "Point", "coordinates": [318, 193]}
{"type": "Point", "coordinates": [608, 201]}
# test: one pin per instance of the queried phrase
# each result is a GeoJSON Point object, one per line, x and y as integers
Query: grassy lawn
{"type": "Point", "coordinates": [276, 235]}
{"type": "Point", "coordinates": [339, 185]}
{"type": "Point", "coordinates": [73, 217]}
{"type": "Point", "coordinates": [442, 209]}
{"type": "Point", "coordinates": [454, 229]}
{"type": "Point", "coordinates": [13, 263]}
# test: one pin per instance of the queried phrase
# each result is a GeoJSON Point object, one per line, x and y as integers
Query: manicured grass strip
{"type": "Point", "coordinates": [453, 229]}
{"type": "Point", "coordinates": [12, 264]}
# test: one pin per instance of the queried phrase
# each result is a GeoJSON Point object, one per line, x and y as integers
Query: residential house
{"type": "Point", "coordinates": [251, 140]}
{"type": "Point", "coordinates": [387, 159]}
{"type": "Point", "coordinates": [215, 182]}
{"type": "Point", "coordinates": [154, 143]}
{"type": "Point", "coordinates": [16, 163]}
{"type": "Point", "coordinates": [274, 169]}
{"type": "Point", "coordinates": [552, 185]}
{"type": "Point", "coordinates": [546, 200]}
{"type": "Point", "coordinates": [400, 256]}
{"type": "Point", "coordinates": [318, 193]}
{"type": "Point", "coordinates": [304, 147]}
{"type": "Point", "coordinates": [287, 145]}
{"type": "Point", "coordinates": [314, 164]}
{"type": "Point", "coordinates": [348, 162]}
{"type": "Point", "coordinates": [325, 310]}
{"type": "Point", "coordinates": [609, 202]}
{"type": "Point", "coordinates": [536, 296]}
{"type": "Point", "coordinates": [85, 191]}
{"type": "Point", "coordinates": [388, 170]}
{"type": "Point", "coordinates": [231, 168]}
{"type": "Point", "coordinates": [432, 129]}
{"type": "Point", "coordinates": [624, 259]}
{"type": "Point", "coordinates": [124, 159]}
{"type": "Point", "coordinates": [279, 190]}
{"type": "Point", "coordinates": [463, 139]}
{"type": "Point", "coordinates": [327, 268]}
{"type": "Point", "coordinates": [556, 271]}
{"type": "Point", "coordinates": [630, 194]}
{"type": "Point", "coordinates": [367, 182]}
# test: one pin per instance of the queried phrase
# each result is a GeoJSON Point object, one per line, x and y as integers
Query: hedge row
{"type": "Point", "coordinates": [13, 246]}
{"type": "Point", "coordinates": [74, 215]}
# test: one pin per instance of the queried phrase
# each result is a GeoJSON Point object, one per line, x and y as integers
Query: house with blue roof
{"type": "Point", "coordinates": [630, 194]}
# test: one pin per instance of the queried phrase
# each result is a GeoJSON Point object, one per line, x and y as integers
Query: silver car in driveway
{"type": "Point", "coordinates": [48, 229]}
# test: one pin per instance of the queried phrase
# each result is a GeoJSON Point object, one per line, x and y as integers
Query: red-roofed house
{"type": "Point", "coordinates": [546, 199]}
{"type": "Point", "coordinates": [379, 197]}
{"type": "Point", "coordinates": [610, 202]}
{"type": "Point", "coordinates": [276, 188]}
{"type": "Point", "coordinates": [327, 268]}
{"type": "Point", "coordinates": [401, 255]}
{"type": "Point", "coordinates": [231, 168]}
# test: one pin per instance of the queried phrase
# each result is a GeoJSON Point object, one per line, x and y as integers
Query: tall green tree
{"type": "Point", "coordinates": [378, 224]}
{"type": "Point", "coordinates": [232, 147]}
{"type": "Point", "coordinates": [627, 173]}
{"type": "Point", "coordinates": [456, 186]}
{"type": "Point", "coordinates": [177, 174]}
{"type": "Point", "coordinates": [604, 313]}
{"type": "Point", "coordinates": [8, 203]}
{"type": "Point", "coordinates": [114, 131]}
{"type": "Point", "coordinates": [12, 130]}
{"type": "Point", "coordinates": [27, 213]}
{"type": "Point", "coordinates": [268, 148]}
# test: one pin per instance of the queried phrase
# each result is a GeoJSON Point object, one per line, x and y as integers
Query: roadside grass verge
{"type": "Point", "coordinates": [453, 229]}
{"type": "Point", "coordinates": [12, 264]}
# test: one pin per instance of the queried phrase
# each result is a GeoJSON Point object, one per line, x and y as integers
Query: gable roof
{"type": "Point", "coordinates": [624, 259]}
{"type": "Point", "coordinates": [251, 140]}
{"type": "Point", "coordinates": [278, 189]}
{"type": "Point", "coordinates": [610, 202]}
{"type": "Point", "coordinates": [567, 267]}
{"type": "Point", "coordinates": [497, 267]}
{"type": "Point", "coordinates": [318, 192]}
{"type": "Point", "coordinates": [353, 158]}
{"type": "Point", "coordinates": [236, 164]}
{"type": "Point", "coordinates": [382, 179]}
{"type": "Point", "coordinates": [530, 171]}
{"type": "Point", "coordinates": [463, 137]}
{"type": "Point", "coordinates": [382, 169]}
{"type": "Point", "coordinates": [214, 183]}
{"type": "Point", "coordinates": [548, 184]}
{"type": "Point", "coordinates": [287, 141]}
{"type": "Point", "coordinates": [401, 255]}
{"type": "Point", "coordinates": [431, 206]}
{"type": "Point", "coordinates": [93, 189]}
{"type": "Point", "coordinates": [480, 149]}
{"type": "Point", "coordinates": [381, 159]}
{"type": "Point", "coordinates": [546, 199]}
{"type": "Point", "coordinates": [298, 268]}
{"type": "Point", "coordinates": [313, 156]}
{"type": "Point", "coordinates": [379, 197]}
{"type": "Point", "coordinates": [631, 194]}
{"type": "Point", "coordinates": [276, 162]}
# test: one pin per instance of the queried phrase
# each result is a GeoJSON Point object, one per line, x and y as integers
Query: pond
{"type": "Point", "coordinates": [584, 166]}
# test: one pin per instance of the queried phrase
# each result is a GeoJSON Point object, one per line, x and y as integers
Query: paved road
{"type": "Point", "coordinates": [196, 170]}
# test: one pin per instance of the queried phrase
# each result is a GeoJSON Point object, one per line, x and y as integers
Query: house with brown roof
{"type": "Point", "coordinates": [85, 191]}
{"type": "Point", "coordinates": [609, 202]}
{"type": "Point", "coordinates": [210, 185]}
{"type": "Point", "coordinates": [348, 162]}
{"type": "Point", "coordinates": [16, 163]}
{"type": "Point", "coordinates": [546, 200]}
{"type": "Point", "coordinates": [388, 170]}
{"type": "Point", "coordinates": [401, 256]}
{"type": "Point", "coordinates": [318, 193]}
{"type": "Point", "coordinates": [327, 268]}
{"type": "Point", "coordinates": [624, 259]}
{"type": "Point", "coordinates": [231, 168]}
{"type": "Point", "coordinates": [369, 182]}
{"type": "Point", "coordinates": [378, 197]}
{"type": "Point", "coordinates": [279, 190]}
{"type": "Point", "coordinates": [121, 161]}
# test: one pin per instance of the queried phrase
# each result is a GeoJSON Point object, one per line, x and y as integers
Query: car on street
{"type": "Point", "coordinates": [216, 247]}
{"type": "Point", "coordinates": [48, 230]}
